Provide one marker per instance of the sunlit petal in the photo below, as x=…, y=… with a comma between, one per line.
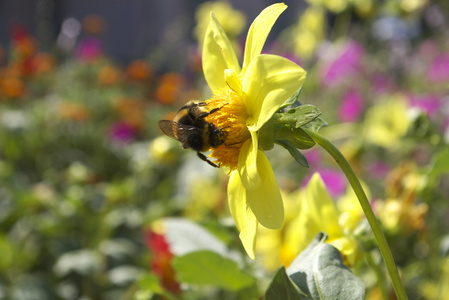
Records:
x=259, y=31
x=266, y=201
x=247, y=166
x=237, y=200
x=248, y=234
x=271, y=79
x=218, y=56
x=233, y=81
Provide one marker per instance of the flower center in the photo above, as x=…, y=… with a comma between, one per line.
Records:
x=231, y=118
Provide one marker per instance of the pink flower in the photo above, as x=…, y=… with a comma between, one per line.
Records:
x=439, y=69
x=430, y=104
x=351, y=107
x=122, y=132
x=344, y=65
x=89, y=49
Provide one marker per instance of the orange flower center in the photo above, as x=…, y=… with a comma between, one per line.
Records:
x=231, y=118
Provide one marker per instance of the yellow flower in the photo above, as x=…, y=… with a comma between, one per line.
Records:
x=319, y=213
x=387, y=122
x=246, y=98
x=309, y=31
x=231, y=20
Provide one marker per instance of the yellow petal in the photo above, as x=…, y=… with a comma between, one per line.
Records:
x=218, y=56
x=248, y=234
x=266, y=201
x=244, y=218
x=247, y=166
x=233, y=81
x=259, y=31
x=268, y=82
x=237, y=200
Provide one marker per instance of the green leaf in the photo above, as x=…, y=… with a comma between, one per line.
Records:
x=319, y=272
x=209, y=268
x=282, y=287
x=316, y=124
x=440, y=164
x=295, y=153
x=298, y=116
x=292, y=99
x=296, y=136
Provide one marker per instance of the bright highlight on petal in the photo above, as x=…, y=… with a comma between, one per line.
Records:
x=274, y=79
x=237, y=200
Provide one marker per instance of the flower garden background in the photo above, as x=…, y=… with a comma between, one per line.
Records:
x=95, y=203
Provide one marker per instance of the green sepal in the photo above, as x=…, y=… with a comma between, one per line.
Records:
x=292, y=99
x=266, y=135
x=296, y=136
x=316, y=124
x=295, y=153
x=298, y=116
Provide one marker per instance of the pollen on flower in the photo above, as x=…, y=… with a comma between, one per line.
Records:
x=231, y=117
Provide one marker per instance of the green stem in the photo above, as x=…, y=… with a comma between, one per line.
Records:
x=378, y=234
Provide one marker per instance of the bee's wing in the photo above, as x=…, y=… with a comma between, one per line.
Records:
x=177, y=131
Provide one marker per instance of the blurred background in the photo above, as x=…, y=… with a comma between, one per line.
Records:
x=87, y=182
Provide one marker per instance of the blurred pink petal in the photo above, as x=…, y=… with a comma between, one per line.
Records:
x=351, y=107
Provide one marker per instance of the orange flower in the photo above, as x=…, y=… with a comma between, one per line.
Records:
x=42, y=63
x=94, y=24
x=108, y=75
x=12, y=87
x=169, y=88
x=131, y=111
x=139, y=70
x=72, y=111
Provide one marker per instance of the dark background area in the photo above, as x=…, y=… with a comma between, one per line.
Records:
x=134, y=27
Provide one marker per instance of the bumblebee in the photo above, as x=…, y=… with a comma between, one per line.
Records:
x=191, y=128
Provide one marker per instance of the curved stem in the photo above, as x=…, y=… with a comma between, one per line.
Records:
x=356, y=186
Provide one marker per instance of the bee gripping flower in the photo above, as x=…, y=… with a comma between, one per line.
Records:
x=247, y=98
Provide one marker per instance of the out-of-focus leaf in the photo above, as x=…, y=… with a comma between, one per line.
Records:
x=440, y=164
x=295, y=153
x=320, y=273
x=123, y=275
x=209, y=268
x=185, y=236
x=298, y=116
x=82, y=262
x=281, y=287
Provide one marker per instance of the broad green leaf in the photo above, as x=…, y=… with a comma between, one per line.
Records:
x=298, y=116
x=296, y=136
x=282, y=287
x=209, y=268
x=319, y=272
x=295, y=153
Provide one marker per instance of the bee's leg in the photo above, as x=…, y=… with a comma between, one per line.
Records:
x=205, y=114
x=203, y=157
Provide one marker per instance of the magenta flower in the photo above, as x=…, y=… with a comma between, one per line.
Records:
x=122, y=132
x=439, y=69
x=429, y=104
x=89, y=49
x=347, y=63
x=351, y=107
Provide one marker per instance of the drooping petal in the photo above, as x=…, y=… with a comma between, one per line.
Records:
x=267, y=83
x=237, y=200
x=218, y=56
x=259, y=30
x=244, y=218
x=247, y=165
x=266, y=200
x=248, y=234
